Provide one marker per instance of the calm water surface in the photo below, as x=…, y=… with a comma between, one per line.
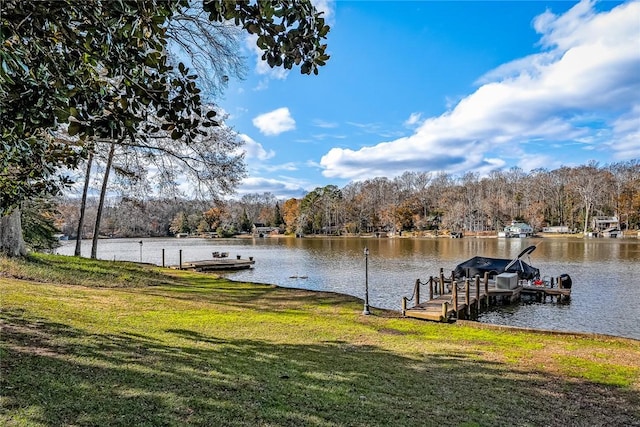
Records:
x=605, y=296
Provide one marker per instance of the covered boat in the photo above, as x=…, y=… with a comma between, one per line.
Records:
x=480, y=265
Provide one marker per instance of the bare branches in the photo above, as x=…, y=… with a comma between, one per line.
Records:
x=212, y=48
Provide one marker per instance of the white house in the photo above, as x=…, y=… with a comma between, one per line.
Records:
x=517, y=229
x=602, y=223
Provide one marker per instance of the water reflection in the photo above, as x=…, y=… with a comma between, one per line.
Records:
x=605, y=296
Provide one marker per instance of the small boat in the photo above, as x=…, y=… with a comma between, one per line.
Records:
x=527, y=275
x=479, y=265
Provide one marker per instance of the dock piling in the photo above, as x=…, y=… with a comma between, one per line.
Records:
x=454, y=290
x=430, y=287
x=478, y=301
x=486, y=287
x=467, y=299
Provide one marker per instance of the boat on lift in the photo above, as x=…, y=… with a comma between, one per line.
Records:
x=526, y=273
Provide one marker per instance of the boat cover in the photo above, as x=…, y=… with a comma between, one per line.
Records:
x=494, y=266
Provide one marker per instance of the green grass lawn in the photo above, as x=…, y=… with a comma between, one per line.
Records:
x=88, y=342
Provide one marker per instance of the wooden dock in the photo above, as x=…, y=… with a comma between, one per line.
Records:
x=449, y=299
x=216, y=264
x=542, y=292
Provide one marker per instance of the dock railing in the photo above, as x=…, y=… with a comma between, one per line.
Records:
x=436, y=288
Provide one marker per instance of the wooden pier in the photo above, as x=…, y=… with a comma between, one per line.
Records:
x=450, y=299
x=216, y=264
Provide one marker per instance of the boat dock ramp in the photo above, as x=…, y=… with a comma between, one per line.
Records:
x=450, y=299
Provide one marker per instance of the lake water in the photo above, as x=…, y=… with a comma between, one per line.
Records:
x=605, y=296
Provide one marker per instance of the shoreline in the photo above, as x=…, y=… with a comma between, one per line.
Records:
x=632, y=234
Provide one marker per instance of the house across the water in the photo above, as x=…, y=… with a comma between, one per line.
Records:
x=262, y=230
x=605, y=226
x=516, y=229
x=560, y=229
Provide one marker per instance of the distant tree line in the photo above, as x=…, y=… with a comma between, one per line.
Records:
x=414, y=201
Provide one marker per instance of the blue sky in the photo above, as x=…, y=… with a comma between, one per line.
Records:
x=457, y=86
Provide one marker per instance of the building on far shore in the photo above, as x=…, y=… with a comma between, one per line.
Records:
x=516, y=229
x=602, y=223
x=560, y=229
x=262, y=230
x=604, y=226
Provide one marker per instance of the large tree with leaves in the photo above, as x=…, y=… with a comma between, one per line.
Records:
x=101, y=68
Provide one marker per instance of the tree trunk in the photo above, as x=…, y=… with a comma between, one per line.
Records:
x=103, y=192
x=83, y=205
x=11, y=242
x=587, y=212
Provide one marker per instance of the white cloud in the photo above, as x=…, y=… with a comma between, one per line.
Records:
x=289, y=167
x=281, y=188
x=413, y=119
x=590, y=69
x=626, y=130
x=275, y=122
x=255, y=150
x=324, y=124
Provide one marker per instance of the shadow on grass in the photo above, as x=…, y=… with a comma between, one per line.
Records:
x=256, y=296
x=83, y=271
x=53, y=374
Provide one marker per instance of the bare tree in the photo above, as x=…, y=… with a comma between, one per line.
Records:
x=588, y=183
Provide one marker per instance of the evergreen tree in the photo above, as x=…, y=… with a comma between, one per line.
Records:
x=277, y=220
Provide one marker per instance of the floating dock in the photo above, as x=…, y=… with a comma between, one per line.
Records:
x=216, y=264
x=464, y=299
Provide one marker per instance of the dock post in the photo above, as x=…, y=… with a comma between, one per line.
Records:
x=441, y=281
x=445, y=309
x=163, y=258
x=478, y=302
x=486, y=287
x=404, y=306
x=454, y=290
x=417, y=291
x=180, y=258
x=430, y=288
x=466, y=297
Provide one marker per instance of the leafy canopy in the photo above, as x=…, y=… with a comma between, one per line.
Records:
x=101, y=67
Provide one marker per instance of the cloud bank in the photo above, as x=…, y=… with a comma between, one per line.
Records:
x=583, y=87
x=282, y=187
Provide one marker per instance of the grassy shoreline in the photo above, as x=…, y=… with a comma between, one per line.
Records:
x=87, y=342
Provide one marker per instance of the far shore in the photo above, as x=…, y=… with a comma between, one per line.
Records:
x=432, y=235
x=629, y=234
